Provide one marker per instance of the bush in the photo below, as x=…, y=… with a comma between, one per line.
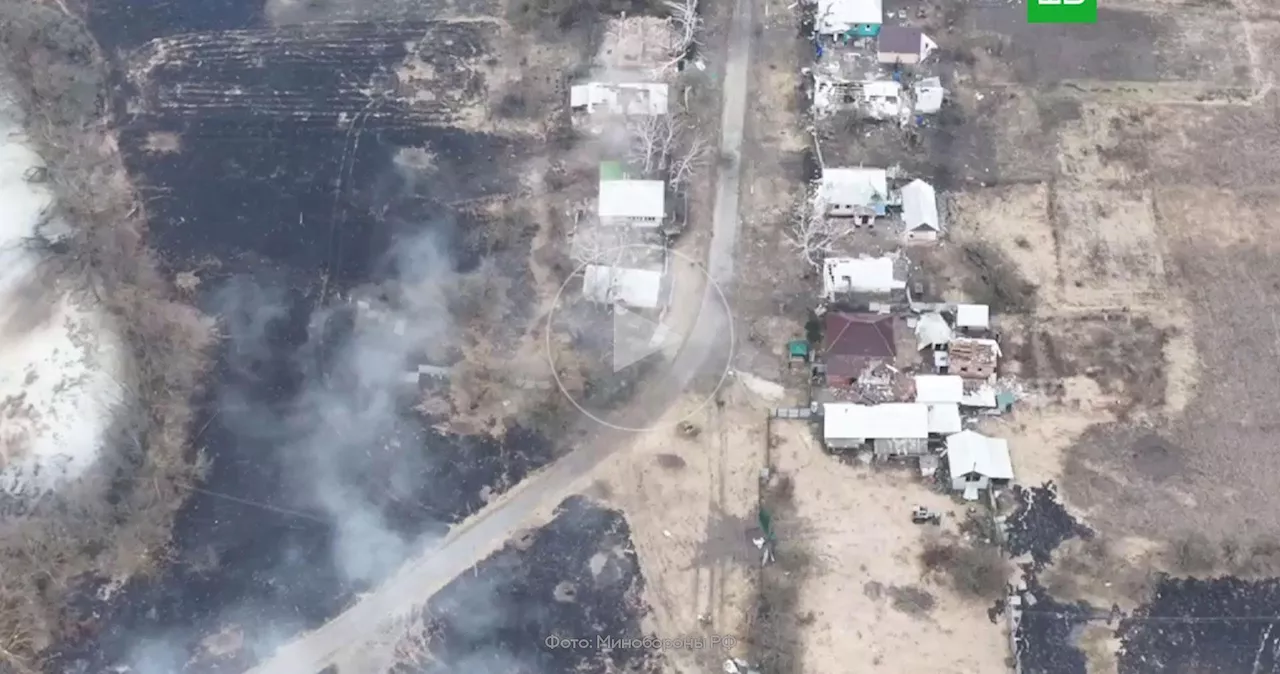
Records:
x=973, y=570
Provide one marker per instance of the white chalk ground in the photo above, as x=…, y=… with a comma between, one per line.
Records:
x=60, y=361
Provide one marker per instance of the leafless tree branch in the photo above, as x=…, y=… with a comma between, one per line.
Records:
x=813, y=234
x=686, y=26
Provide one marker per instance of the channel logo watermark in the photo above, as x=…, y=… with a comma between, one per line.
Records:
x=1062, y=11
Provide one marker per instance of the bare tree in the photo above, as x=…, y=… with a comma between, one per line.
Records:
x=687, y=162
x=685, y=25
x=650, y=140
x=815, y=235
x=666, y=146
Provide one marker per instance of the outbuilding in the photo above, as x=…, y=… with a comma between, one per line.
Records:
x=977, y=462
x=903, y=45
x=920, y=212
x=939, y=388
x=973, y=317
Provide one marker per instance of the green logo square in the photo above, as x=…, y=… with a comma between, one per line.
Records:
x=1062, y=11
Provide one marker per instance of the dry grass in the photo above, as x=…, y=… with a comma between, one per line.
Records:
x=62, y=79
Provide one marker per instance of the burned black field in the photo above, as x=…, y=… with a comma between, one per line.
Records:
x=1216, y=625
x=566, y=581
x=279, y=209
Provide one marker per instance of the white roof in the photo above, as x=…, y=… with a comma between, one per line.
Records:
x=889, y=421
x=973, y=452
x=854, y=186
x=927, y=46
x=973, y=315
x=838, y=16
x=929, y=95
x=632, y=199
x=931, y=329
x=631, y=98
x=641, y=288
x=860, y=275
x=983, y=396
x=939, y=388
x=944, y=418
x=920, y=206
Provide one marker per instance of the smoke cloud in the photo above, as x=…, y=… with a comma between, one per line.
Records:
x=355, y=366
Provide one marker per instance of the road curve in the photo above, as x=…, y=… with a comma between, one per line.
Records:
x=466, y=545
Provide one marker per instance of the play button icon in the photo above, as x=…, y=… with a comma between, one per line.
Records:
x=625, y=336
x=635, y=338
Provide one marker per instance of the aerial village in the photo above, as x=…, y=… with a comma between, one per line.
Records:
x=892, y=377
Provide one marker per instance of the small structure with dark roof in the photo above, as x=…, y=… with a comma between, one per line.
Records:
x=856, y=343
x=903, y=44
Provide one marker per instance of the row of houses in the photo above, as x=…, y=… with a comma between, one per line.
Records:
x=620, y=243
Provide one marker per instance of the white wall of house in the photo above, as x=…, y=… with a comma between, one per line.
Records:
x=834, y=17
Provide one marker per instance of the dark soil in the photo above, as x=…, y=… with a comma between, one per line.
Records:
x=576, y=578
x=1047, y=633
x=300, y=213
x=1041, y=524
x=1215, y=626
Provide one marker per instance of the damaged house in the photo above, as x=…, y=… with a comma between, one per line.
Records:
x=620, y=98
x=637, y=288
x=856, y=348
x=860, y=275
x=973, y=358
x=860, y=193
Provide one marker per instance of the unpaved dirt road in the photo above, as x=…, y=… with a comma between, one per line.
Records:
x=425, y=574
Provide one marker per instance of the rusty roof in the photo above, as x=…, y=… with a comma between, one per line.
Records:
x=850, y=341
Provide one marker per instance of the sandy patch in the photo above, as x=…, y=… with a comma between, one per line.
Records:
x=1015, y=220
x=863, y=548
x=690, y=502
x=1109, y=251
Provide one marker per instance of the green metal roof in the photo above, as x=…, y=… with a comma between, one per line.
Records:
x=612, y=170
x=798, y=348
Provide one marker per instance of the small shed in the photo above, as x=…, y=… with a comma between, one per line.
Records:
x=851, y=425
x=861, y=193
x=973, y=316
x=638, y=288
x=798, y=349
x=932, y=331
x=977, y=462
x=920, y=211
x=904, y=45
x=869, y=275
x=635, y=203
x=929, y=95
x=939, y=388
x=851, y=18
